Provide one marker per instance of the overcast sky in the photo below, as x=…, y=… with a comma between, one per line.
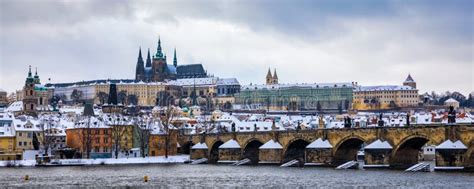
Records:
x=372, y=42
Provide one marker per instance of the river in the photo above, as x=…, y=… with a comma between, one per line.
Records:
x=224, y=176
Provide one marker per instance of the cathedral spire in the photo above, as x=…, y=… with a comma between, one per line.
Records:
x=159, y=53
x=140, y=54
x=140, y=70
x=175, y=60
x=148, y=59
x=275, y=74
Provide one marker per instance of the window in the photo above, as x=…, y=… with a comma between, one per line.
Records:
x=19, y=143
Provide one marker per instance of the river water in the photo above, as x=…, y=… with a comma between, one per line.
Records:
x=224, y=176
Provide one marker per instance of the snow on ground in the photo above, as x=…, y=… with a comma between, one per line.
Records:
x=105, y=161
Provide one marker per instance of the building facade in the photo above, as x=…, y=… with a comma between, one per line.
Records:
x=296, y=97
x=386, y=96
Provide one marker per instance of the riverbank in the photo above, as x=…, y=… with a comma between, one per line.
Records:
x=105, y=161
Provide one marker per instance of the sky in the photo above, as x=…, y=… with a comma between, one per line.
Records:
x=371, y=42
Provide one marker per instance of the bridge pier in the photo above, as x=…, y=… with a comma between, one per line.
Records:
x=229, y=152
x=450, y=155
x=270, y=153
x=319, y=152
x=377, y=154
x=198, y=151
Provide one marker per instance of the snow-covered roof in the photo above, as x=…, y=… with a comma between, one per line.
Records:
x=15, y=107
x=228, y=81
x=451, y=100
x=271, y=144
x=383, y=88
x=199, y=146
x=230, y=144
x=1, y=90
x=448, y=144
x=195, y=81
x=301, y=85
x=378, y=144
x=319, y=143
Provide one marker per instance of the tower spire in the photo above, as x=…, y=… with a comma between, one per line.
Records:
x=148, y=59
x=140, y=70
x=175, y=60
x=269, y=77
x=159, y=53
x=29, y=72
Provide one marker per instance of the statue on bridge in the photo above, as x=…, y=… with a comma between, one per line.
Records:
x=380, y=122
x=451, y=115
x=347, y=122
x=408, y=119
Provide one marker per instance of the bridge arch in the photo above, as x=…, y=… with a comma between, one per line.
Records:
x=186, y=147
x=407, y=152
x=214, y=151
x=295, y=149
x=346, y=150
x=250, y=150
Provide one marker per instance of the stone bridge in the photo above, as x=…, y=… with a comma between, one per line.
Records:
x=405, y=145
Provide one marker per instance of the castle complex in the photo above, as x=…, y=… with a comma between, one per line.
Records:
x=157, y=69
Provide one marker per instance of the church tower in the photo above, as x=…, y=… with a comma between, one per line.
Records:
x=158, y=65
x=29, y=95
x=140, y=69
x=269, y=79
x=275, y=78
x=409, y=82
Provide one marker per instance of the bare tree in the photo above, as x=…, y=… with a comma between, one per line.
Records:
x=143, y=130
x=165, y=119
x=47, y=138
x=102, y=96
x=76, y=95
x=118, y=132
x=122, y=97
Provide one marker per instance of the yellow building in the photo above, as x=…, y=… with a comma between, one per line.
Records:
x=29, y=135
x=7, y=138
x=386, y=96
